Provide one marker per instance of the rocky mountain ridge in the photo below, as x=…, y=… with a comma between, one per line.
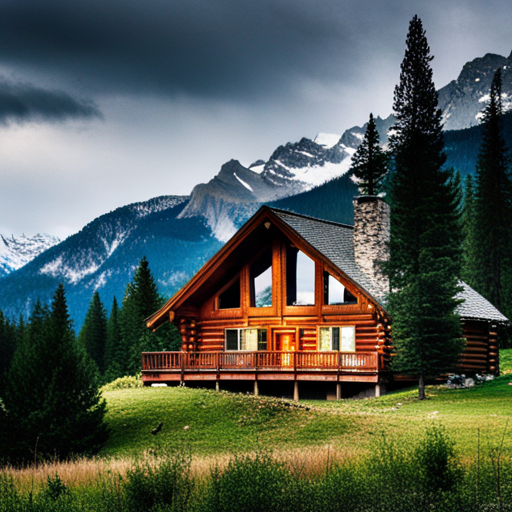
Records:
x=463, y=99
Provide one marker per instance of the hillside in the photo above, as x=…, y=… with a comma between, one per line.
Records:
x=214, y=423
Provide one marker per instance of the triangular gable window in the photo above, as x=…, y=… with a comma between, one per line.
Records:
x=335, y=293
x=230, y=298
x=261, y=280
x=300, y=278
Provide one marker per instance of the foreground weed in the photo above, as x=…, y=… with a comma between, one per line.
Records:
x=163, y=483
x=437, y=466
x=250, y=483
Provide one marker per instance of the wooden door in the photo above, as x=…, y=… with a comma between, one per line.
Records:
x=285, y=342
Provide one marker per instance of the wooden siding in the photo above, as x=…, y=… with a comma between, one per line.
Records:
x=481, y=353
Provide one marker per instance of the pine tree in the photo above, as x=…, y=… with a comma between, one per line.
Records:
x=93, y=335
x=425, y=238
x=369, y=163
x=8, y=341
x=493, y=207
x=52, y=401
x=115, y=350
x=141, y=299
x=469, y=268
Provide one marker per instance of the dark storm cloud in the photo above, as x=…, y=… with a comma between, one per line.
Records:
x=217, y=48
x=234, y=48
x=24, y=102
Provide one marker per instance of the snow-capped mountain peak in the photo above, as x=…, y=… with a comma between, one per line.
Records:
x=327, y=140
x=17, y=251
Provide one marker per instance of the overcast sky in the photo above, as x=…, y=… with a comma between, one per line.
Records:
x=109, y=102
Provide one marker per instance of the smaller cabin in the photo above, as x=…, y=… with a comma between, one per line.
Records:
x=292, y=300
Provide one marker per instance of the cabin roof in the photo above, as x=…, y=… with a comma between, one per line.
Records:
x=476, y=307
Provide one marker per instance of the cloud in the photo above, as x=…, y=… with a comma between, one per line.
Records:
x=223, y=49
x=24, y=102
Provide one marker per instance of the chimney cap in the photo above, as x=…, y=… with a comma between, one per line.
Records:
x=367, y=199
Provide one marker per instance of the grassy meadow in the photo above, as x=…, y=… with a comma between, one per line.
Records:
x=213, y=443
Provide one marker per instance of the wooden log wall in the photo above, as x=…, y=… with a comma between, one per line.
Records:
x=372, y=333
x=481, y=353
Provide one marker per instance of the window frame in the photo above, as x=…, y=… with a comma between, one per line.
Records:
x=287, y=250
x=340, y=338
x=259, y=331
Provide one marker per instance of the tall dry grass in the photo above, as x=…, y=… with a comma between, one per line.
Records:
x=79, y=472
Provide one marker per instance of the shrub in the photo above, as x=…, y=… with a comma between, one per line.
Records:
x=127, y=382
x=435, y=458
x=159, y=483
x=250, y=483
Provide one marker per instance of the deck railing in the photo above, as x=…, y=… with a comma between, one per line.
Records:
x=265, y=360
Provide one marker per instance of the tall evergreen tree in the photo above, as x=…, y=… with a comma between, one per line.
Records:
x=369, y=163
x=493, y=207
x=425, y=239
x=93, y=335
x=141, y=300
x=469, y=267
x=115, y=351
x=8, y=341
x=51, y=398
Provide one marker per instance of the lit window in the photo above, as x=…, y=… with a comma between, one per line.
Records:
x=261, y=281
x=335, y=293
x=300, y=278
x=246, y=339
x=337, y=338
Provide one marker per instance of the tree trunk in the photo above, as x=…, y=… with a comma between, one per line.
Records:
x=421, y=387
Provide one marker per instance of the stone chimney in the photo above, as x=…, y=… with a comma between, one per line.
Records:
x=371, y=238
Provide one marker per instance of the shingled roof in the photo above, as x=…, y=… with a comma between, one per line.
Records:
x=336, y=242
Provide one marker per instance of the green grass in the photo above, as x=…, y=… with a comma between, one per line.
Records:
x=506, y=361
x=209, y=423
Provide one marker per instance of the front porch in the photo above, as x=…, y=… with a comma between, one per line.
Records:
x=319, y=366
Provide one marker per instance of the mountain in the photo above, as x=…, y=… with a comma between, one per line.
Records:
x=18, y=251
x=462, y=100
x=104, y=254
x=236, y=192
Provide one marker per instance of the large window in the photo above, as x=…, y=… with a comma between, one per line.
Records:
x=300, y=278
x=335, y=293
x=230, y=298
x=337, y=338
x=261, y=280
x=246, y=339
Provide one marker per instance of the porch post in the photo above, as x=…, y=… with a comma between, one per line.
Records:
x=296, y=390
x=217, y=385
x=256, y=390
x=377, y=390
x=182, y=380
x=338, y=390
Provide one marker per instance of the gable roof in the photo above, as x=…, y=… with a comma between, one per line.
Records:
x=476, y=307
x=333, y=242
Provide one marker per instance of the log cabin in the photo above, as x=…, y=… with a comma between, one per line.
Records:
x=291, y=300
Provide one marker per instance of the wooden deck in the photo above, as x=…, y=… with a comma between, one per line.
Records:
x=265, y=365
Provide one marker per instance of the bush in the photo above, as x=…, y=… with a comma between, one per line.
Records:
x=250, y=483
x=163, y=483
x=435, y=458
x=127, y=382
